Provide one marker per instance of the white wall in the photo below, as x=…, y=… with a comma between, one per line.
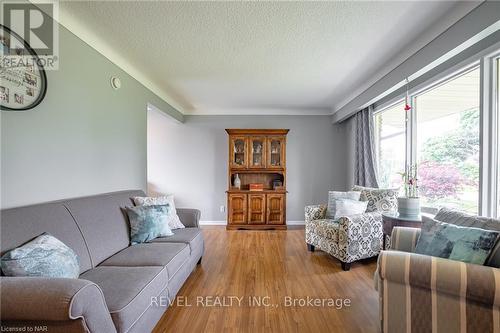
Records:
x=190, y=159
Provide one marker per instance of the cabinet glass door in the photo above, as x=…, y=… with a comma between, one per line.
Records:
x=276, y=152
x=238, y=152
x=257, y=152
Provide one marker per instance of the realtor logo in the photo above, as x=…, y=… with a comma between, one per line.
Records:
x=36, y=24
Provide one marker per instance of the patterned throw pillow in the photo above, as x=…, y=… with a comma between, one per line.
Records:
x=379, y=200
x=44, y=256
x=445, y=240
x=347, y=207
x=335, y=195
x=173, y=219
x=148, y=222
x=467, y=220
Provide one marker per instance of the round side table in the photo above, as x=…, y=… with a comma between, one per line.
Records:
x=391, y=220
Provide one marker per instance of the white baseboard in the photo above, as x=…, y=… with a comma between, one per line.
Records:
x=213, y=223
x=295, y=223
x=225, y=223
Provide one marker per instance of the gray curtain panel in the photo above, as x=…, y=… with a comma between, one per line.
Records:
x=365, y=169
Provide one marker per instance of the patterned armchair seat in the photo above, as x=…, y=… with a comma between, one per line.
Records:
x=326, y=228
x=350, y=238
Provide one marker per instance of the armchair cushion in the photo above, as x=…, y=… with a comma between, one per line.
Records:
x=379, y=200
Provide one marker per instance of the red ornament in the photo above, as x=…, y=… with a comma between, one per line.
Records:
x=407, y=107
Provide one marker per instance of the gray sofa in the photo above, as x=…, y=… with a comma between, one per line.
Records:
x=121, y=288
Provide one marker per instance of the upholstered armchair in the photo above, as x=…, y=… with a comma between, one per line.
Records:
x=348, y=239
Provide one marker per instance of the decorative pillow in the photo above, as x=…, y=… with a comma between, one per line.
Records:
x=44, y=256
x=148, y=222
x=445, y=240
x=467, y=220
x=379, y=200
x=173, y=219
x=347, y=207
x=334, y=195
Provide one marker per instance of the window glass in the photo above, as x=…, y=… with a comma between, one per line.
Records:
x=448, y=144
x=390, y=145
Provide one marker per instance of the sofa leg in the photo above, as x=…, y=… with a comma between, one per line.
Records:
x=199, y=261
x=345, y=265
x=310, y=248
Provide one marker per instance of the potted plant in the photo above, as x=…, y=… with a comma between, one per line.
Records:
x=409, y=205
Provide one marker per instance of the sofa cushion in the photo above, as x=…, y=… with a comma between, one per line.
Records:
x=171, y=255
x=326, y=228
x=99, y=217
x=128, y=290
x=19, y=225
x=191, y=236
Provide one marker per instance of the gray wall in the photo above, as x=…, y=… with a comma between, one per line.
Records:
x=190, y=159
x=84, y=138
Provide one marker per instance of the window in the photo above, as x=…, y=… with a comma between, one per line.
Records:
x=390, y=143
x=447, y=145
x=498, y=137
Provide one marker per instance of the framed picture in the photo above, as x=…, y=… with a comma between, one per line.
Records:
x=23, y=82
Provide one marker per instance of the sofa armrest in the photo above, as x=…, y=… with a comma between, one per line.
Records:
x=468, y=281
x=404, y=238
x=189, y=217
x=314, y=212
x=54, y=299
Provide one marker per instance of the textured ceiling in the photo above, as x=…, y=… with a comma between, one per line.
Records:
x=258, y=57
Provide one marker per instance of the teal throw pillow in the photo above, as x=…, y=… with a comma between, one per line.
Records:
x=148, y=222
x=44, y=256
x=445, y=240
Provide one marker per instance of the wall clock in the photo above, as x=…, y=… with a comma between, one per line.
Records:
x=23, y=82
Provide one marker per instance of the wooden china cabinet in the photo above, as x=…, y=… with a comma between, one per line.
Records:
x=257, y=157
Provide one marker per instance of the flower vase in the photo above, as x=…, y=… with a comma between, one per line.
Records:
x=408, y=207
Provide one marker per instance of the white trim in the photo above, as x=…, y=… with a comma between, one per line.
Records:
x=295, y=222
x=225, y=222
x=313, y=111
x=213, y=223
x=152, y=107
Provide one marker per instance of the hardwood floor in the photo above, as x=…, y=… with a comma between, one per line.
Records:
x=275, y=264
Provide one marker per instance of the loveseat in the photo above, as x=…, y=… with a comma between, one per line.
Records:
x=121, y=288
x=421, y=293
